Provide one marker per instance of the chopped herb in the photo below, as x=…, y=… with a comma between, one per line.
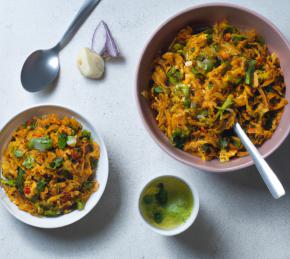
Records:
x=94, y=163
x=174, y=75
x=56, y=163
x=197, y=74
x=227, y=104
x=32, y=126
x=158, y=217
x=29, y=162
x=178, y=138
x=229, y=28
x=162, y=195
x=250, y=71
x=184, y=88
x=20, y=179
x=210, y=85
x=71, y=140
x=209, y=38
x=40, y=186
x=205, y=147
x=260, y=40
x=202, y=114
x=148, y=199
x=176, y=47
x=158, y=90
x=238, y=37
x=66, y=174
x=62, y=139
x=51, y=213
x=41, y=144
x=81, y=205
x=187, y=103
x=223, y=144
x=236, y=142
x=88, y=185
x=9, y=182
x=85, y=134
x=18, y=153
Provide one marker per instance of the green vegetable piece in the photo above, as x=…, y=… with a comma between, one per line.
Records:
x=187, y=103
x=88, y=185
x=18, y=153
x=174, y=75
x=158, y=90
x=260, y=40
x=158, y=217
x=197, y=73
x=250, y=71
x=230, y=29
x=238, y=37
x=178, y=138
x=94, y=163
x=32, y=126
x=176, y=47
x=209, y=38
x=56, y=163
x=62, y=139
x=162, y=195
x=29, y=162
x=41, y=144
x=51, y=213
x=207, y=64
x=71, y=141
x=227, y=104
x=66, y=174
x=9, y=182
x=40, y=186
x=20, y=179
x=202, y=114
x=85, y=134
x=205, y=147
x=81, y=205
x=148, y=199
x=237, y=143
x=223, y=144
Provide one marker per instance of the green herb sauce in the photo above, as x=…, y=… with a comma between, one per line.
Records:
x=166, y=203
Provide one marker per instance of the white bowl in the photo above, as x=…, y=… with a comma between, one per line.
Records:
x=101, y=174
x=181, y=228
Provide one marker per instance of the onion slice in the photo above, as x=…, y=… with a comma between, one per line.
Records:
x=104, y=43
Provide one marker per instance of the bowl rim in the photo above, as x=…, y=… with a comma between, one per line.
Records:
x=191, y=219
x=148, y=128
x=101, y=192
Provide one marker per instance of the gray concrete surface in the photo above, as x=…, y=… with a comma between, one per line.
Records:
x=238, y=217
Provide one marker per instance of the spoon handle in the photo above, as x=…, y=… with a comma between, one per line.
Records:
x=269, y=177
x=81, y=16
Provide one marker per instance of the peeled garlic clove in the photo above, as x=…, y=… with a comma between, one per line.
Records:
x=90, y=63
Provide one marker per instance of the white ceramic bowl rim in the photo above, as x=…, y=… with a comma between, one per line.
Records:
x=181, y=228
x=102, y=170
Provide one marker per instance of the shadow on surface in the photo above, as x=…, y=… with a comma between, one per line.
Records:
x=202, y=238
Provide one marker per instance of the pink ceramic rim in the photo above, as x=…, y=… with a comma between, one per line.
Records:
x=148, y=128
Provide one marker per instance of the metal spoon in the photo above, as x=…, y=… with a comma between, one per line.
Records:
x=269, y=177
x=41, y=68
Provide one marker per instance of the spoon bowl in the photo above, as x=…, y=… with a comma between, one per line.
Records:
x=40, y=69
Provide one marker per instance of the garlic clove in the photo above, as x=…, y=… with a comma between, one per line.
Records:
x=90, y=64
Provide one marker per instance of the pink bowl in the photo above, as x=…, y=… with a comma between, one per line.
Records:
x=209, y=14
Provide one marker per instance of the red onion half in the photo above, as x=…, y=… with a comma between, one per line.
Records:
x=104, y=43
